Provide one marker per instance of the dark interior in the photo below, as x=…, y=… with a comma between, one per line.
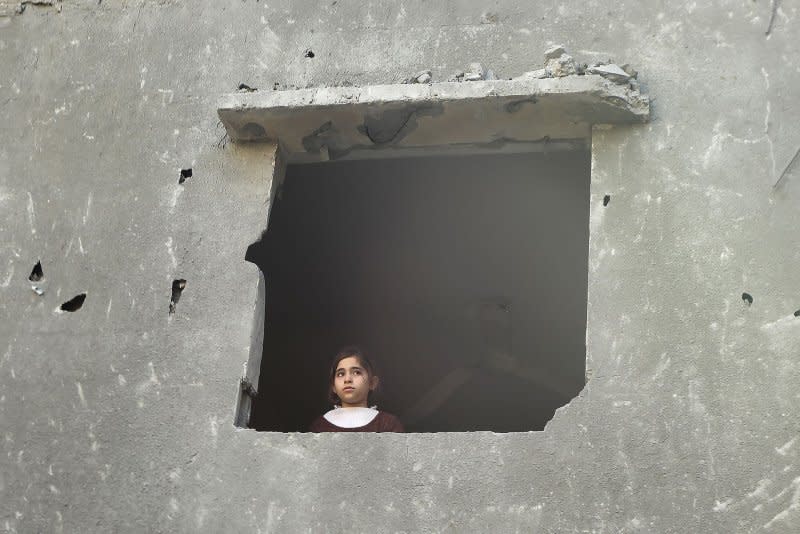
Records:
x=463, y=278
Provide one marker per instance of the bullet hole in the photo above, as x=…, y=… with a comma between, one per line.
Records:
x=797, y=313
x=73, y=304
x=185, y=174
x=177, y=289
x=37, y=273
x=606, y=200
x=37, y=279
x=308, y=53
x=747, y=298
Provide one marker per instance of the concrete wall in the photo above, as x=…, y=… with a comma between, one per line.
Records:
x=118, y=417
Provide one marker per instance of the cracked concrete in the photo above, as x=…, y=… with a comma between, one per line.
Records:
x=351, y=120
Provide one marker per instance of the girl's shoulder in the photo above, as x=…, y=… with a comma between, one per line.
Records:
x=320, y=424
x=387, y=422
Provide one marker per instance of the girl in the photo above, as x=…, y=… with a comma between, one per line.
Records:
x=352, y=380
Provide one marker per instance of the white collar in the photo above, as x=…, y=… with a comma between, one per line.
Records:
x=351, y=417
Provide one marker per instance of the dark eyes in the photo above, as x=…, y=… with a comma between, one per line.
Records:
x=355, y=372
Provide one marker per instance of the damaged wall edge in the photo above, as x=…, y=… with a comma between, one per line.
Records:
x=248, y=382
x=350, y=122
x=408, y=120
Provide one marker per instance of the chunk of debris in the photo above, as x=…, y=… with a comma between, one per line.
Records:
x=244, y=88
x=475, y=73
x=610, y=71
x=747, y=298
x=633, y=73
x=561, y=65
x=554, y=52
x=420, y=77
x=534, y=75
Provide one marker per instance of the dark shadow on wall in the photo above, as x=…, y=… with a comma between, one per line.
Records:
x=463, y=277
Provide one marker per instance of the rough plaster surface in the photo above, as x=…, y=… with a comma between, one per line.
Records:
x=116, y=417
x=338, y=121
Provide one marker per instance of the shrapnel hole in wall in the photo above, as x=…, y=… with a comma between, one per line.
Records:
x=178, y=286
x=36, y=278
x=37, y=273
x=464, y=277
x=73, y=304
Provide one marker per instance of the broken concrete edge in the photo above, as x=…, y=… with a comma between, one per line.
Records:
x=630, y=105
x=440, y=91
x=557, y=64
x=8, y=9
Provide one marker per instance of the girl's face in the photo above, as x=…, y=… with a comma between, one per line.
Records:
x=352, y=383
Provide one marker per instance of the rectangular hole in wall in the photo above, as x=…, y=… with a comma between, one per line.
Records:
x=464, y=278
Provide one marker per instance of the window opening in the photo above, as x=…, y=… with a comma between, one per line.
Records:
x=463, y=277
x=540, y=112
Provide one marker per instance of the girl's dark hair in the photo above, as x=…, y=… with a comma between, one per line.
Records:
x=347, y=352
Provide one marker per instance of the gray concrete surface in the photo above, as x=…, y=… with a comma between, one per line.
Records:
x=419, y=116
x=119, y=417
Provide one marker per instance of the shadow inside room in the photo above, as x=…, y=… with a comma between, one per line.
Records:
x=463, y=278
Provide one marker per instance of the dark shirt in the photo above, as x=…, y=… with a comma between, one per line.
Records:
x=383, y=422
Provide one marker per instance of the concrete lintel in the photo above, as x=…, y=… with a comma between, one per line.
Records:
x=349, y=122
